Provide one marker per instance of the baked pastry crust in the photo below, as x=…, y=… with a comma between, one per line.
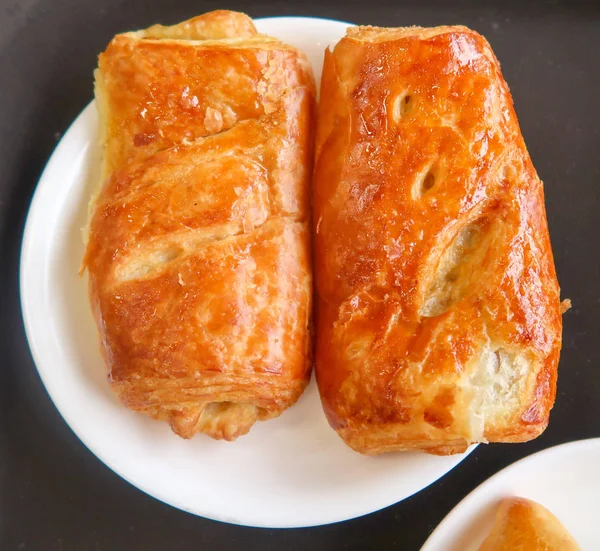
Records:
x=524, y=525
x=198, y=250
x=438, y=310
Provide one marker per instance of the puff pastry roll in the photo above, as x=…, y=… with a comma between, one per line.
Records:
x=198, y=250
x=438, y=312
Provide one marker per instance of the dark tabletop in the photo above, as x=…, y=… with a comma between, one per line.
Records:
x=54, y=494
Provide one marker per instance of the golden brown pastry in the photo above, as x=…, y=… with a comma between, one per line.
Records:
x=438, y=311
x=198, y=251
x=524, y=525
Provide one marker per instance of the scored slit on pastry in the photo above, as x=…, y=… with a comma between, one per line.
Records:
x=197, y=253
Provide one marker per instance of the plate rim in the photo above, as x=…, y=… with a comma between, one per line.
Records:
x=475, y=493
x=34, y=212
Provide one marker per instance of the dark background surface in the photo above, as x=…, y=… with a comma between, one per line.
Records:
x=54, y=494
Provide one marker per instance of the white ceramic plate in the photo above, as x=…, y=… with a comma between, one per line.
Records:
x=288, y=472
x=564, y=479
